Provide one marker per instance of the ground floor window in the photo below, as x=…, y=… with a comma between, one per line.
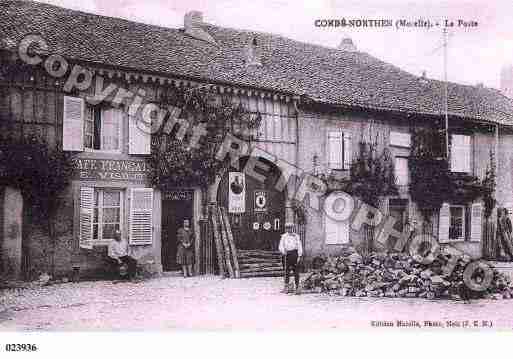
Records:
x=398, y=208
x=108, y=213
x=337, y=232
x=457, y=222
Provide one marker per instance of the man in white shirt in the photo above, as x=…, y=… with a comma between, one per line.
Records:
x=292, y=250
x=118, y=251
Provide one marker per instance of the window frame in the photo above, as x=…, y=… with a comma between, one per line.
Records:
x=463, y=223
x=100, y=240
x=91, y=119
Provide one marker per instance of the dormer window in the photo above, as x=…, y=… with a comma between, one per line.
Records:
x=253, y=53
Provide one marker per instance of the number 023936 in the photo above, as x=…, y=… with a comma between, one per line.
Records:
x=20, y=347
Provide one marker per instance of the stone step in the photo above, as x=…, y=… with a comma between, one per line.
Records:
x=261, y=267
x=261, y=274
x=258, y=260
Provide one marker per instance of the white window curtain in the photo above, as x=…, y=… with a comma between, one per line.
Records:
x=111, y=128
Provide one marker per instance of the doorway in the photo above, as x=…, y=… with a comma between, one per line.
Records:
x=261, y=223
x=176, y=206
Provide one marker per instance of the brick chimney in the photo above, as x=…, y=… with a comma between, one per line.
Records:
x=193, y=21
x=507, y=81
x=347, y=45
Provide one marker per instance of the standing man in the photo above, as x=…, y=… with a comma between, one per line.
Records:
x=504, y=243
x=118, y=250
x=292, y=250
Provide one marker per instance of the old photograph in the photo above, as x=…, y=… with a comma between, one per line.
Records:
x=269, y=165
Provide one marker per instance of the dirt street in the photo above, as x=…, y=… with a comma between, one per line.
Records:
x=212, y=303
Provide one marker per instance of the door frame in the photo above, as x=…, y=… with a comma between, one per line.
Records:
x=196, y=217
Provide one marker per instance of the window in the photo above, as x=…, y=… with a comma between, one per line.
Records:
x=402, y=176
x=339, y=150
x=457, y=223
x=102, y=129
x=398, y=208
x=337, y=232
x=108, y=213
x=400, y=139
x=460, y=153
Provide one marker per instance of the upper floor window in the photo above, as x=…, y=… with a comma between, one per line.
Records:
x=460, y=153
x=102, y=129
x=400, y=139
x=339, y=150
x=402, y=177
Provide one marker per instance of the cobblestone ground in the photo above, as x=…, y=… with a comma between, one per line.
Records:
x=213, y=303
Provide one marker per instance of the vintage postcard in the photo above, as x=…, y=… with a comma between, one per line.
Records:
x=268, y=165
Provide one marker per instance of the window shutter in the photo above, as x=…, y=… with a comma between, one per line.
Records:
x=335, y=150
x=460, y=153
x=476, y=218
x=401, y=171
x=443, y=223
x=73, y=124
x=139, y=142
x=348, y=151
x=337, y=232
x=86, y=217
x=141, y=216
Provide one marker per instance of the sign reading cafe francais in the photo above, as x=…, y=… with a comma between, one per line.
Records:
x=110, y=170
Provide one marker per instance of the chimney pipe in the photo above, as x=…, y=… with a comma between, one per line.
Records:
x=347, y=44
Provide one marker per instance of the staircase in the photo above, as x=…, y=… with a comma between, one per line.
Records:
x=259, y=263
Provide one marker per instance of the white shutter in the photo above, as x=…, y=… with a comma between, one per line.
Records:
x=348, y=151
x=86, y=217
x=476, y=218
x=337, y=232
x=139, y=142
x=460, y=153
x=141, y=216
x=335, y=150
x=400, y=139
x=73, y=124
x=443, y=223
x=401, y=171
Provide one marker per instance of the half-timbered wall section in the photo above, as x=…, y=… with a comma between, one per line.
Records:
x=33, y=103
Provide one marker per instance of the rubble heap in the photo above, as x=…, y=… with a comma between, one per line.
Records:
x=399, y=275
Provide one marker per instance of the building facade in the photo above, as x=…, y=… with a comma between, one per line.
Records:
x=316, y=106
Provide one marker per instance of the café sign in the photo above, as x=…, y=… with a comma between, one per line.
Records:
x=110, y=170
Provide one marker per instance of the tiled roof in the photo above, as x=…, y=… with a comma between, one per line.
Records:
x=325, y=74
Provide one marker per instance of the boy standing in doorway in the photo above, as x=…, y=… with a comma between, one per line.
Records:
x=292, y=250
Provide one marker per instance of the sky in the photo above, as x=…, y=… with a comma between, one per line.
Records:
x=474, y=54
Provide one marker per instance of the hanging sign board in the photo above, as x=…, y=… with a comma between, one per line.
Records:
x=260, y=201
x=178, y=195
x=236, y=192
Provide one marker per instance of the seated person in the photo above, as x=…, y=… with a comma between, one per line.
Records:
x=118, y=251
